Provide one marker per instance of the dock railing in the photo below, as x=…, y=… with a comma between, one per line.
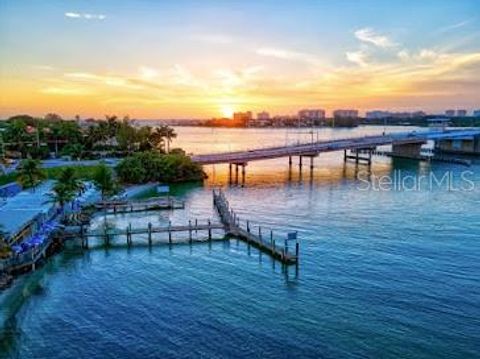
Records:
x=261, y=237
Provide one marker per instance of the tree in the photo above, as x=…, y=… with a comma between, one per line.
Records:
x=17, y=135
x=169, y=134
x=62, y=193
x=30, y=173
x=104, y=181
x=131, y=170
x=162, y=135
x=68, y=178
x=126, y=135
x=143, y=138
x=153, y=166
x=75, y=150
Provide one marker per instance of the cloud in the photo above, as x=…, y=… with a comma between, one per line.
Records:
x=43, y=67
x=288, y=55
x=86, y=16
x=368, y=35
x=217, y=39
x=66, y=91
x=422, y=56
x=357, y=57
x=148, y=73
x=455, y=26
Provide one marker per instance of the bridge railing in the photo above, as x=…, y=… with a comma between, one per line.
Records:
x=302, y=143
x=390, y=137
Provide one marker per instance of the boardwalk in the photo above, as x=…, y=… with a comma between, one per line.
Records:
x=269, y=245
x=314, y=148
x=116, y=207
x=107, y=234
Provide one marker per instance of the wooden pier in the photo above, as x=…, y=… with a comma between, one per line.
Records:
x=118, y=207
x=107, y=234
x=266, y=243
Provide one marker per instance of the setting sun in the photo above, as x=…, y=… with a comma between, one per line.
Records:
x=227, y=111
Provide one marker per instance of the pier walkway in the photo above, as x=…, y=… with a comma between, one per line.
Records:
x=278, y=249
x=127, y=206
x=108, y=234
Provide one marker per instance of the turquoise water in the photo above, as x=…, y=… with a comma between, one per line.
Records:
x=383, y=273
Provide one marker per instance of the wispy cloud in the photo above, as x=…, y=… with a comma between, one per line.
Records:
x=217, y=39
x=67, y=91
x=369, y=35
x=43, y=67
x=288, y=55
x=86, y=16
x=357, y=57
x=455, y=26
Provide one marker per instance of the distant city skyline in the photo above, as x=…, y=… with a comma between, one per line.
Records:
x=191, y=59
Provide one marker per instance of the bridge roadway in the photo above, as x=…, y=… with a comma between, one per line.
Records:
x=314, y=148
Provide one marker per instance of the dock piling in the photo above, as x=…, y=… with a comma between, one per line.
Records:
x=149, y=233
x=170, y=232
x=209, y=230
x=190, y=231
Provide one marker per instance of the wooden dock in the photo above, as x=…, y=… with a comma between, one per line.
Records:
x=278, y=249
x=153, y=204
x=107, y=234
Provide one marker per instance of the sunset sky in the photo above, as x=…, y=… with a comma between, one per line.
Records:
x=200, y=59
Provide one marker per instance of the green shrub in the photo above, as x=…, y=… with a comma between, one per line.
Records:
x=156, y=167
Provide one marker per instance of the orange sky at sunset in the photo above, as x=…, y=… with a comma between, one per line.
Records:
x=69, y=63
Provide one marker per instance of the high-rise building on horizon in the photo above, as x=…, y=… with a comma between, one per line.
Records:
x=340, y=114
x=450, y=113
x=242, y=118
x=311, y=114
x=263, y=116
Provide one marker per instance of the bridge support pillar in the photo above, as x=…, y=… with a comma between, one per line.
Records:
x=407, y=150
x=230, y=172
x=236, y=173
x=311, y=163
x=243, y=172
x=300, y=162
x=355, y=155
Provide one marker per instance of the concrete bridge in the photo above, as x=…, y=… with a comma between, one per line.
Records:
x=404, y=144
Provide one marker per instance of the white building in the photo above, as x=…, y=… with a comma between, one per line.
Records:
x=377, y=115
x=450, y=113
x=353, y=114
x=461, y=113
x=242, y=117
x=263, y=116
x=311, y=114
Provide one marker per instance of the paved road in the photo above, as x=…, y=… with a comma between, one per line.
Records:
x=313, y=148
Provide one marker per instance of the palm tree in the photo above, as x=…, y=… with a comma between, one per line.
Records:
x=156, y=139
x=75, y=150
x=103, y=179
x=69, y=178
x=30, y=173
x=16, y=134
x=158, y=136
x=62, y=193
x=169, y=134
